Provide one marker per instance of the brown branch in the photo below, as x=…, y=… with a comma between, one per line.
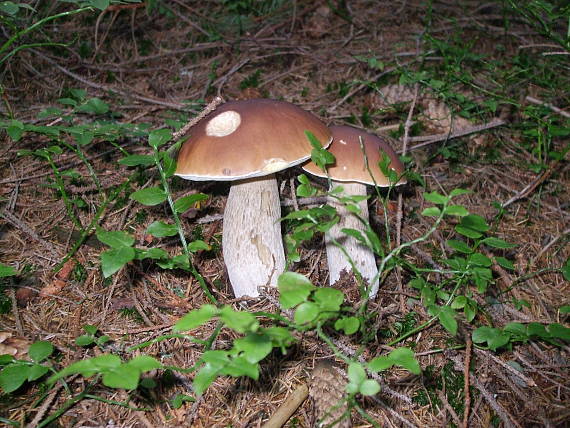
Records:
x=466, y=393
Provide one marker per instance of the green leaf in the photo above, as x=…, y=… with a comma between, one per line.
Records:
x=319, y=155
x=349, y=325
x=497, y=243
x=537, y=329
x=255, y=346
x=160, y=229
x=198, y=245
x=40, y=350
x=369, y=387
x=204, y=378
x=100, y=4
x=84, y=340
x=380, y=363
x=137, y=160
x=94, y=106
x=460, y=246
x=180, y=399
x=195, y=318
x=431, y=212
x=459, y=302
x=115, y=239
x=494, y=337
x=114, y=259
x=150, y=196
x=458, y=192
x=12, y=377
x=36, y=371
x=6, y=270
x=152, y=253
x=436, y=198
x=124, y=377
x=465, y=231
x=405, y=358
x=446, y=317
x=564, y=309
x=356, y=373
x=90, y=329
x=475, y=222
x=559, y=331
x=306, y=312
x=456, y=210
x=15, y=130
x=143, y=363
x=159, y=137
x=294, y=288
x=9, y=8
x=186, y=202
x=479, y=259
x=241, y=322
x=329, y=299
x=505, y=263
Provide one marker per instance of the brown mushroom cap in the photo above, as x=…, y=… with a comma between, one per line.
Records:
x=350, y=165
x=250, y=138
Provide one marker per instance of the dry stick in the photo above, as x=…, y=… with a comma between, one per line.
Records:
x=364, y=85
x=448, y=407
x=430, y=139
x=534, y=184
x=212, y=105
x=469, y=344
x=284, y=412
x=15, y=221
x=550, y=106
x=547, y=246
x=507, y=419
x=126, y=94
x=16, y=312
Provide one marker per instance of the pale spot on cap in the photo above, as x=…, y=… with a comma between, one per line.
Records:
x=223, y=124
x=274, y=165
x=342, y=142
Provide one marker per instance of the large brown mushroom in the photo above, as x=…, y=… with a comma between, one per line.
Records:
x=247, y=142
x=351, y=172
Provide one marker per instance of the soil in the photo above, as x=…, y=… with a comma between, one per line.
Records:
x=162, y=67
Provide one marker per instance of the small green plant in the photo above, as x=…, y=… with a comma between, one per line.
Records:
x=91, y=337
x=17, y=372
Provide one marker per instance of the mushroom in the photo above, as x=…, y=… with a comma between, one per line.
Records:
x=247, y=142
x=350, y=170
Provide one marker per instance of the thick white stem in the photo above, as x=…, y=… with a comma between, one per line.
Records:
x=362, y=256
x=251, y=239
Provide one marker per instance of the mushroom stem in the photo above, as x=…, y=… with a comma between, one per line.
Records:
x=362, y=256
x=252, y=244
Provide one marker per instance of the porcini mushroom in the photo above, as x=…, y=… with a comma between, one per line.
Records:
x=247, y=142
x=350, y=170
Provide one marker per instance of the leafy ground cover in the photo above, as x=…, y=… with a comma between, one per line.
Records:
x=115, y=306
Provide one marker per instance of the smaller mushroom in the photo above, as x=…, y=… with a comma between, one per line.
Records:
x=350, y=170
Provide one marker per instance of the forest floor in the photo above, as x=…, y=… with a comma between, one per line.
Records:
x=475, y=94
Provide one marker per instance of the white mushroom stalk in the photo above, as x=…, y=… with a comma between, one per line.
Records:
x=246, y=142
x=352, y=173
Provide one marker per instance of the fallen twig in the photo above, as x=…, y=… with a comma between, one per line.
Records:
x=550, y=106
x=289, y=407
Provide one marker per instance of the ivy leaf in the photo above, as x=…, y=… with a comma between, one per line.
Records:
x=195, y=318
x=241, y=322
x=114, y=259
x=306, y=312
x=125, y=377
x=115, y=239
x=349, y=325
x=456, y=210
x=255, y=346
x=40, y=350
x=369, y=387
x=294, y=288
x=460, y=246
x=137, y=160
x=13, y=377
x=497, y=243
x=431, y=212
x=159, y=137
x=329, y=299
x=160, y=229
x=186, y=202
x=150, y=196
x=436, y=198
x=405, y=358
x=198, y=245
